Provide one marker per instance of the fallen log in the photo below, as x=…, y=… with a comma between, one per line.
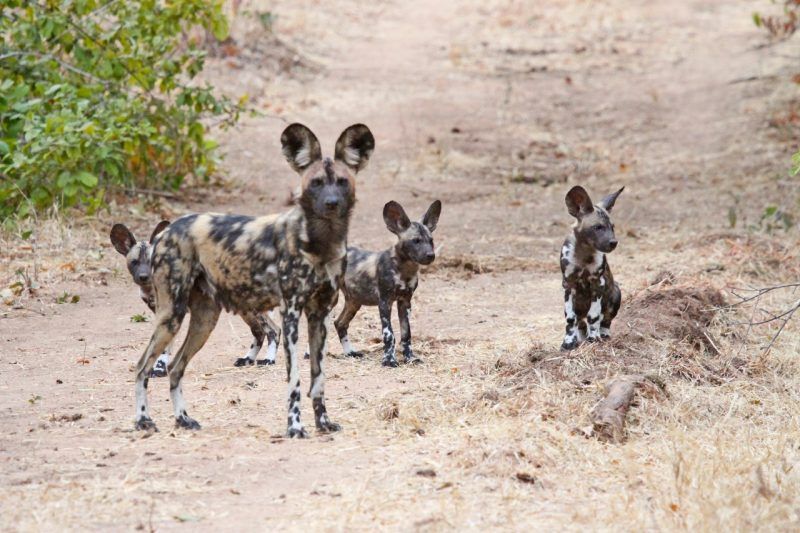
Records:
x=608, y=416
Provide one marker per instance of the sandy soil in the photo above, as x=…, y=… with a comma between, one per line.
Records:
x=496, y=108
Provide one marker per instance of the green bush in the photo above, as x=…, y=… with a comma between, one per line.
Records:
x=98, y=94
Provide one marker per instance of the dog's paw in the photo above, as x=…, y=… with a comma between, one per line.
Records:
x=326, y=426
x=297, y=433
x=185, y=422
x=146, y=423
x=567, y=346
x=413, y=360
x=390, y=362
x=354, y=354
x=243, y=361
x=265, y=362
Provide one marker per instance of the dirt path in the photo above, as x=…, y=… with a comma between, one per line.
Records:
x=468, y=102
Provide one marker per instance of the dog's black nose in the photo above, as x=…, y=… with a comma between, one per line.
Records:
x=430, y=257
x=143, y=278
x=612, y=244
x=332, y=203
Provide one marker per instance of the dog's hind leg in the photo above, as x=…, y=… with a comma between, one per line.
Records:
x=257, y=329
x=273, y=332
x=167, y=322
x=204, y=316
x=610, y=310
x=160, y=368
x=342, y=324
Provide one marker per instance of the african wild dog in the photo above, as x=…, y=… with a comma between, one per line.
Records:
x=591, y=296
x=138, y=260
x=249, y=265
x=381, y=278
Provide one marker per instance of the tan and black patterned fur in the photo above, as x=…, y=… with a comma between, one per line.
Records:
x=383, y=278
x=138, y=258
x=591, y=296
x=248, y=265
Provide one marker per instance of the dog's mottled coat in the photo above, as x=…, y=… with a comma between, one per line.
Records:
x=382, y=278
x=591, y=296
x=249, y=265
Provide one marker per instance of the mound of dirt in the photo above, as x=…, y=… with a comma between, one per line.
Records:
x=665, y=329
x=673, y=313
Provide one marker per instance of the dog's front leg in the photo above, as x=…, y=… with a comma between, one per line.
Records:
x=385, y=308
x=317, y=332
x=593, y=319
x=404, y=315
x=291, y=311
x=571, y=335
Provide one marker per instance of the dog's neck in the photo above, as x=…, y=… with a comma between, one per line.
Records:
x=584, y=254
x=327, y=237
x=405, y=265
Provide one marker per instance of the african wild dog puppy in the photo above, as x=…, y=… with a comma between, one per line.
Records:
x=381, y=278
x=249, y=265
x=591, y=296
x=138, y=260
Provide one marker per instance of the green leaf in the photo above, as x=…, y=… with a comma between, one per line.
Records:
x=64, y=179
x=88, y=180
x=219, y=28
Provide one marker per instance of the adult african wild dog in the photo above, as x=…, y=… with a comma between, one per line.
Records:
x=591, y=296
x=248, y=265
x=138, y=260
x=381, y=278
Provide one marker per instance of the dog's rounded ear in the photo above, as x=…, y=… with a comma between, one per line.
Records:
x=431, y=217
x=395, y=217
x=607, y=202
x=355, y=146
x=300, y=147
x=578, y=202
x=158, y=229
x=122, y=238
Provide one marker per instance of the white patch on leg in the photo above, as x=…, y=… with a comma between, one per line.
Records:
x=163, y=359
x=569, y=313
x=346, y=346
x=318, y=387
x=593, y=319
x=272, y=351
x=178, y=404
x=252, y=353
x=605, y=332
x=141, y=400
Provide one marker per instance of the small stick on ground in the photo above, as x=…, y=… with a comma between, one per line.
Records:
x=608, y=416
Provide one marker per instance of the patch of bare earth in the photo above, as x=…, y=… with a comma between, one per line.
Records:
x=496, y=108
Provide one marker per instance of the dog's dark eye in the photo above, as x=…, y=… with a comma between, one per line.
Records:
x=598, y=227
x=342, y=182
x=316, y=182
x=417, y=240
x=135, y=262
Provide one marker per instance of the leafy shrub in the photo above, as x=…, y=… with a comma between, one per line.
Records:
x=97, y=93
